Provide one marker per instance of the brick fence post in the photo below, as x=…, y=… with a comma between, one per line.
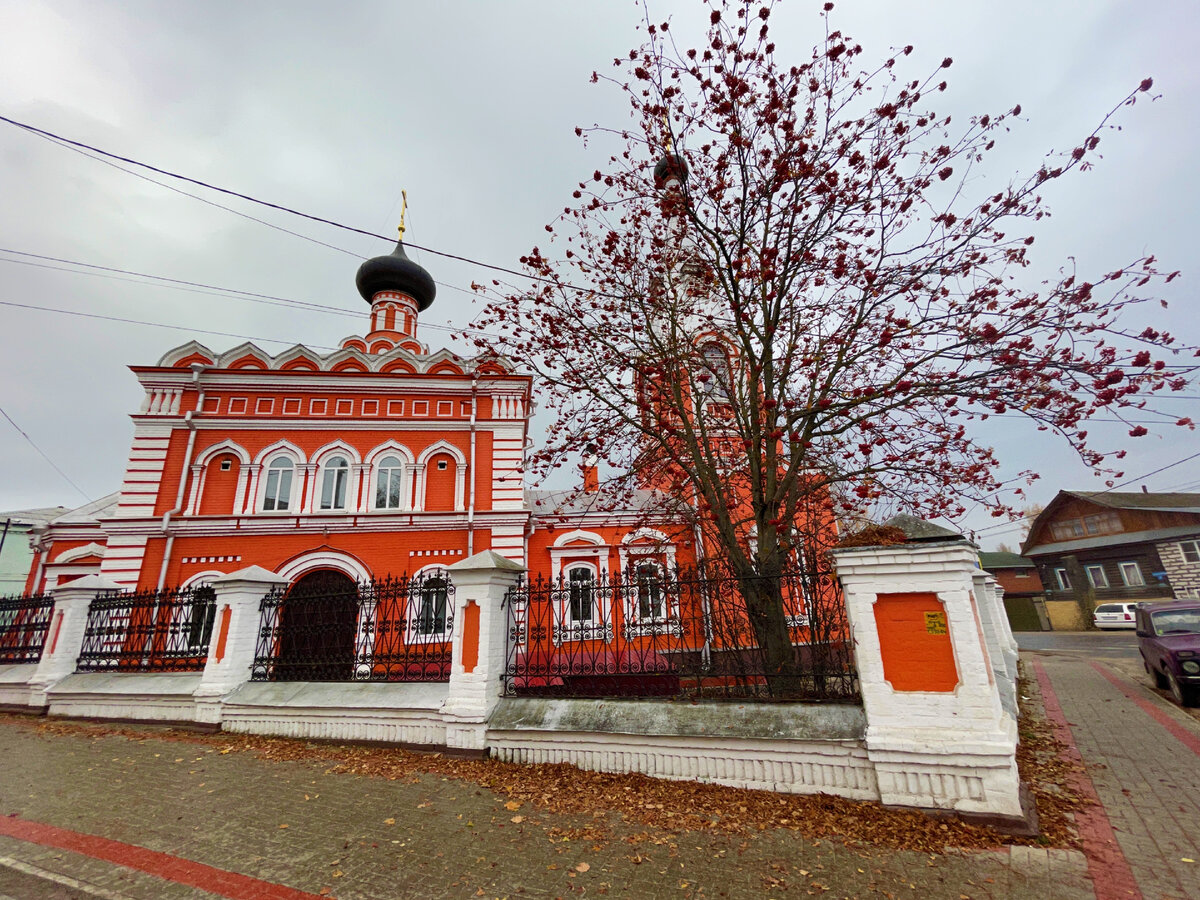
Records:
x=937, y=732
x=64, y=641
x=480, y=647
x=993, y=621
x=234, y=637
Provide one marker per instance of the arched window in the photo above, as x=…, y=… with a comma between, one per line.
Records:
x=714, y=369
x=278, y=493
x=333, y=483
x=649, y=587
x=581, y=594
x=432, y=597
x=201, y=613
x=387, y=483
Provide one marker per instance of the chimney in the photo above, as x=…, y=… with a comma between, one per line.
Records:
x=1144, y=491
x=591, y=472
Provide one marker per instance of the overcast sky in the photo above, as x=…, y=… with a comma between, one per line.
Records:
x=471, y=107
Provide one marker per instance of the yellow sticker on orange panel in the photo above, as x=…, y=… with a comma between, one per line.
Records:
x=935, y=623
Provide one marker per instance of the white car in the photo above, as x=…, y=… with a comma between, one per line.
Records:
x=1114, y=615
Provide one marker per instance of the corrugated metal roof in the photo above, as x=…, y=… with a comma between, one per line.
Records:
x=1116, y=540
x=1139, y=500
x=1001, y=559
x=919, y=530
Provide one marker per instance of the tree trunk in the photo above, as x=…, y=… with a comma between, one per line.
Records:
x=764, y=607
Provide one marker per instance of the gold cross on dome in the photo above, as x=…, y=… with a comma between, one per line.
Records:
x=403, y=210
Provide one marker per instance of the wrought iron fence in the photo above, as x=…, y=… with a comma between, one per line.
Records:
x=24, y=622
x=651, y=632
x=395, y=629
x=149, y=631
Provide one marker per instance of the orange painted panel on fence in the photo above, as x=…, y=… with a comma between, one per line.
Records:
x=223, y=634
x=57, y=628
x=470, y=645
x=914, y=642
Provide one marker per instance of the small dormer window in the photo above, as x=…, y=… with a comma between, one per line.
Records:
x=226, y=464
x=442, y=465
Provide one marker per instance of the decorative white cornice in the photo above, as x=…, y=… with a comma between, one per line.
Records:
x=313, y=523
x=376, y=362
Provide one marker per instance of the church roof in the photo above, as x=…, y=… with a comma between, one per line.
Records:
x=33, y=516
x=396, y=272
x=89, y=513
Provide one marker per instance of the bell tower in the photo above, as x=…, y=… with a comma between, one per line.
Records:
x=398, y=289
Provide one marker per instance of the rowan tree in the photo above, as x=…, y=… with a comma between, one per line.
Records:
x=785, y=286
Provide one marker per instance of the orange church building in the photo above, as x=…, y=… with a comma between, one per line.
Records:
x=379, y=459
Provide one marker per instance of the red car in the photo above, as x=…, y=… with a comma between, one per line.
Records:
x=1169, y=639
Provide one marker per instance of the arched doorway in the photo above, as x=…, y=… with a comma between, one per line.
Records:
x=317, y=628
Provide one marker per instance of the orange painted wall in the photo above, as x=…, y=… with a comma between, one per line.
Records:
x=915, y=658
x=169, y=484
x=439, y=482
x=220, y=487
x=382, y=553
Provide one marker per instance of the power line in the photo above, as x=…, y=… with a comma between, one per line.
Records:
x=182, y=284
x=65, y=476
x=85, y=315
x=67, y=145
x=51, y=136
x=230, y=209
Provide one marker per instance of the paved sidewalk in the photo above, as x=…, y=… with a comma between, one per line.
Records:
x=1142, y=754
x=290, y=823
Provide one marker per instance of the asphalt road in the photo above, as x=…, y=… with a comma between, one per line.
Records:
x=1116, y=644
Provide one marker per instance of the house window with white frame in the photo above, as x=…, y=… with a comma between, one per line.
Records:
x=648, y=587
x=431, y=610
x=1131, y=574
x=201, y=614
x=581, y=594
x=334, y=478
x=389, y=475
x=1062, y=579
x=1096, y=577
x=581, y=614
x=278, y=492
x=1190, y=550
x=650, y=607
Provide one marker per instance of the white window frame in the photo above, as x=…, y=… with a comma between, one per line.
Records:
x=1092, y=570
x=400, y=472
x=1062, y=579
x=1138, y=580
x=328, y=469
x=598, y=626
x=293, y=471
x=718, y=385
x=1190, y=546
x=635, y=623
x=416, y=605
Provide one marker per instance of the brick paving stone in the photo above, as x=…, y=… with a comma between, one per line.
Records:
x=449, y=838
x=1146, y=778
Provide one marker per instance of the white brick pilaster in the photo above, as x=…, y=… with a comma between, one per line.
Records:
x=482, y=580
x=932, y=749
x=64, y=641
x=234, y=636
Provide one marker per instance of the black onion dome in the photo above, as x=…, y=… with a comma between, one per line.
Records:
x=670, y=166
x=396, y=272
